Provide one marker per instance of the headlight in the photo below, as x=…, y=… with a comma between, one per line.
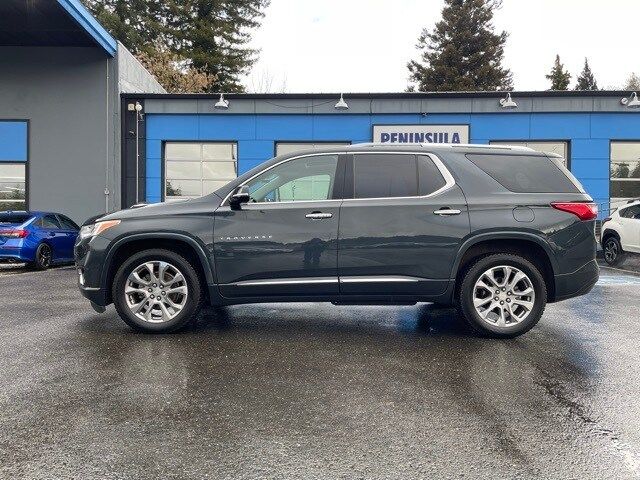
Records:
x=97, y=228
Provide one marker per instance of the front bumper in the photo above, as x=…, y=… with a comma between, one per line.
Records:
x=577, y=283
x=90, y=260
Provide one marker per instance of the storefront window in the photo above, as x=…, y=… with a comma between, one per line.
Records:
x=283, y=148
x=625, y=172
x=561, y=148
x=196, y=169
x=12, y=186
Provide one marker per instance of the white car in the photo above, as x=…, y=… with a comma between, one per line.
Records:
x=621, y=232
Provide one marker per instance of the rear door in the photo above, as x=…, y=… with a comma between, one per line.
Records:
x=401, y=229
x=54, y=235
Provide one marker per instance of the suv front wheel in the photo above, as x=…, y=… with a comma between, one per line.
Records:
x=157, y=291
x=502, y=295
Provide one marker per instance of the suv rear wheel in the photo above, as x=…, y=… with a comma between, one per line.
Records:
x=502, y=295
x=157, y=291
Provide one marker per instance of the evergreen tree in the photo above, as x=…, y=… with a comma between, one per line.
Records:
x=135, y=23
x=211, y=36
x=559, y=77
x=586, y=80
x=214, y=35
x=463, y=52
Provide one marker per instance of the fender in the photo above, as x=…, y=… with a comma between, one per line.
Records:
x=204, y=261
x=502, y=235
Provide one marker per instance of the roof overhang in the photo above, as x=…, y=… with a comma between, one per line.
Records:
x=52, y=23
x=82, y=16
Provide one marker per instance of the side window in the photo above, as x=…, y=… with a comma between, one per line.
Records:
x=385, y=175
x=67, y=223
x=50, y=221
x=298, y=180
x=429, y=177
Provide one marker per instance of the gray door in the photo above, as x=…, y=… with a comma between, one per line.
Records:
x=284, y=242
x=400, y=232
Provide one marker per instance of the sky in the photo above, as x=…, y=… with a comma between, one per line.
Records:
x=364, y=45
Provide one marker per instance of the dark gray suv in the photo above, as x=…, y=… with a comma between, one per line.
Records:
x=498, y=232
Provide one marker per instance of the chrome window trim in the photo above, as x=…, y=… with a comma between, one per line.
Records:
x=444, y=171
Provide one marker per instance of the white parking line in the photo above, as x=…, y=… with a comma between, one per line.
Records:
x=618, y=280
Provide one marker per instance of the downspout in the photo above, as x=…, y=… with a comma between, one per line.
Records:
x=106, y=167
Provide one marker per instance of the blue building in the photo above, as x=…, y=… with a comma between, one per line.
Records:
x=85, y=129
x=187, y=146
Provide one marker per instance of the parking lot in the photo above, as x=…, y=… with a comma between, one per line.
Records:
x=308, y=391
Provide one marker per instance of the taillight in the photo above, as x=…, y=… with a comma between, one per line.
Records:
x=582, y=210
x=13, y=233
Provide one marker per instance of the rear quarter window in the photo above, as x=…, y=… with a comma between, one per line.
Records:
x=630, y=212
x=525, y=173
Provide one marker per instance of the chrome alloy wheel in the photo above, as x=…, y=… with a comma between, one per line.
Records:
x=610, y=251
x=503, y=296
x=156, y=291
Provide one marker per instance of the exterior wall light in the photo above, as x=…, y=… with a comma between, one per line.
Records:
x=222, y=104
x=341, y=105
x=631, y=102
x=508, y=102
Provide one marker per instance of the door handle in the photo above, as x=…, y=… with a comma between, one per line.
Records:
x=447, y=211
x=318, y=215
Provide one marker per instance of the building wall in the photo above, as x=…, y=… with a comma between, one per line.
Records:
x=588, y=134
x=132, y=76
x=63, y=93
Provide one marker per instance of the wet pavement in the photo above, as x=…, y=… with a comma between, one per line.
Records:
x=316, y=391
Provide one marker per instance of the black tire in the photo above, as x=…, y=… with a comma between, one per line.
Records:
x=465, y=295
x=612, y=251
x=193, y=302
x=43, y=258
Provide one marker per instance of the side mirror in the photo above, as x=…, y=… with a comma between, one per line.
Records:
x=240, y=196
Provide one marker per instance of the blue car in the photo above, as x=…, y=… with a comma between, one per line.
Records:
x=39, y=239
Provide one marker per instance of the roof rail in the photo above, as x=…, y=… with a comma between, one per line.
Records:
x=446, y=145
x=484, y=146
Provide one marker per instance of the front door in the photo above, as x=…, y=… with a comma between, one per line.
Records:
x=284, y=241
x=402, y=226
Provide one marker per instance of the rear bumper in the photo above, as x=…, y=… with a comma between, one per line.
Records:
x=15, y=255
x=577, y=283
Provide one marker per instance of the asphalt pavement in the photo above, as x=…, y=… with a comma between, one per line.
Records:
x=316, y=391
